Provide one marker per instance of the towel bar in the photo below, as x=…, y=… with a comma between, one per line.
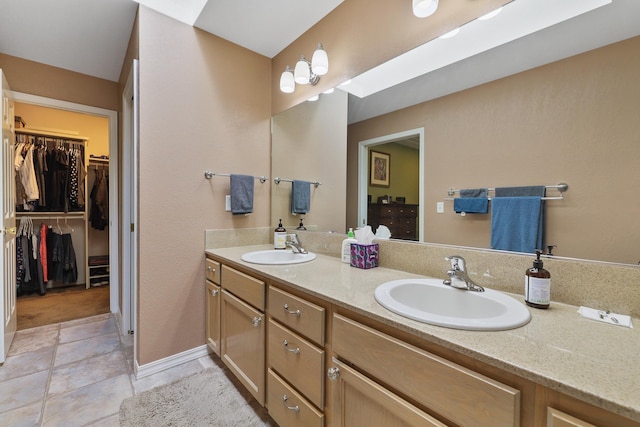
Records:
x=278, y=180
x=562, y=187
x=209, y=175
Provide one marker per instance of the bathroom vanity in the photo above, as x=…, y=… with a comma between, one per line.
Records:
x=324, y=352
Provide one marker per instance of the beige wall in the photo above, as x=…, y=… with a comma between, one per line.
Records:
x=573, y=121
x=52, y=82
x=309, y=144
x=204, y=104
x=360, y=34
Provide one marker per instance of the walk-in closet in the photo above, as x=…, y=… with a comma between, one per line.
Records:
x=62, y=210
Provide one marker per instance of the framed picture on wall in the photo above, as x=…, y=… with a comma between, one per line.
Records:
x=379, y=169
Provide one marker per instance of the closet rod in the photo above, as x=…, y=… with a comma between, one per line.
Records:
x=209, y=175
x=43, y=215
x=278, y=180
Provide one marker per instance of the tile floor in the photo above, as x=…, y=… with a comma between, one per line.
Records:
x=75, y=374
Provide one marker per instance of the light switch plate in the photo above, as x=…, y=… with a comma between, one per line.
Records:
x=440, y=207
x=227, y=203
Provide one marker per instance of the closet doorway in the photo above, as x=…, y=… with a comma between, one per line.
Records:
x=95, y=244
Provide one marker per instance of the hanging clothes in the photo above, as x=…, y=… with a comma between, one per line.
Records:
x=99, y=215
x=24, y=166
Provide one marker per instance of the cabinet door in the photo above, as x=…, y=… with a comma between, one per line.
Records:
x=243, y=347
x=359, y=401
x=213, y=317
x=557, y=418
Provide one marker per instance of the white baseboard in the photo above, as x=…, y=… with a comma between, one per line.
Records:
x=147, y=369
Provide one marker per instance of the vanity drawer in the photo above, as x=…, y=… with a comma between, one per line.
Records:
x=282, y=401
x=456, y=393
x=245, y=287
x=297, y=360
x=212, y=271
x=298, y=314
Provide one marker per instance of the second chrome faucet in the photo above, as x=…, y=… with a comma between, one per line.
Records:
x=458, y=277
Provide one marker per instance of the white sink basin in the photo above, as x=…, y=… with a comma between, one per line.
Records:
x=283, y=256
x=431, y=301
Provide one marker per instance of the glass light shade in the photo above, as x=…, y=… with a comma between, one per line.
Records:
x=424, y=8
x=320, y=61
x=287, y=83
x=314, y=98
x=450, y=34
x=302, y=72
x=490, y=14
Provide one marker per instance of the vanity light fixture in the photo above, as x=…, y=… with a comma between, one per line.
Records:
x=424, y=8
x=305, y=71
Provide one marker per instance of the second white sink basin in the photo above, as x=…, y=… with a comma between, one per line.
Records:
x=282, y=256
x=430, y=301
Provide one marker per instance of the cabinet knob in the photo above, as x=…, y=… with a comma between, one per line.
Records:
x=294, y=312
x=291, y=408
x=211, y=269
x=256, y=321
x=292, y=350
x=333, y=373
x=214, y=292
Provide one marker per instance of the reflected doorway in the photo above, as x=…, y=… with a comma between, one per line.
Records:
x=407, y=184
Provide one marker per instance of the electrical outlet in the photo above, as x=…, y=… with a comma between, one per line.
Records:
x=227, y=203
x=440, y=207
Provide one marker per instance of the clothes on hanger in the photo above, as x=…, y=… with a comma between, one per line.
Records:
x=99, y=215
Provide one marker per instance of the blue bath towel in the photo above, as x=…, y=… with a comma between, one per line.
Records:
x=300, y=196
x=517, y=223
x=474, y=192
x=532, y=190
x=241, y=194
x=471, y=205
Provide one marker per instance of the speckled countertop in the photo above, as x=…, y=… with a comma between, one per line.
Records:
x=589, y=360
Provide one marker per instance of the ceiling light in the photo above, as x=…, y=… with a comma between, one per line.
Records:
x=320, y=61
x=287, y=82
x=305, y=72
x=424, y=8
x=490, y=14
x=450, y=34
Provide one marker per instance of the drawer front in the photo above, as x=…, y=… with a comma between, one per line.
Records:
x=287, y=407
x=557, y=418
x=297, y=314
x=457, y=393
x=244, y=287
x=297, y=360
x=212, y=271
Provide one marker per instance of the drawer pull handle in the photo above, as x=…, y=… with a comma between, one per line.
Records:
x=211, y=269
x=214, y=292
x=333, y=373
x=291, y=408
x=256, y=321
x=296, y=312
x=292, y=350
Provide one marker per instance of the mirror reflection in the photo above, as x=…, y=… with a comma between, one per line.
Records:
x=570, y=120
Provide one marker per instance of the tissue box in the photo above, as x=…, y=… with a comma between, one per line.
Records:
x=364, y=256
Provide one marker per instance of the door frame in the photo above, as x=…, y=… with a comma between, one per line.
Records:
x=363, y=169
x=112, y=117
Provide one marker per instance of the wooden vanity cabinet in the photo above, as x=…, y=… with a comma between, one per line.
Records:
x=212, y=298
x=442, y=391
x=242, y=329
x=296, y=359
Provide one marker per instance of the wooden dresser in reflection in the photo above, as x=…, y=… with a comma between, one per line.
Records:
x=401, y=219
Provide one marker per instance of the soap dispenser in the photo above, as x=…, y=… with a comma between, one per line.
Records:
x=346, y=246
x=537, y=285
x=279, y=236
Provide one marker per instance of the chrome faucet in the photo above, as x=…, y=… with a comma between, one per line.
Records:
x=293, y=243
x=458, y=277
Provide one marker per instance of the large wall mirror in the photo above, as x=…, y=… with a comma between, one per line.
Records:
x=556, y=106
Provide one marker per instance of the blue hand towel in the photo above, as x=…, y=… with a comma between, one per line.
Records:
x=517, y=224
x=471, y=205
x=241, y=194
x=532, y=190
x=300, y=196
x=474, y=192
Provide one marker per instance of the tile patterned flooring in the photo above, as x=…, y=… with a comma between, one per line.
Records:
x=75, y=373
